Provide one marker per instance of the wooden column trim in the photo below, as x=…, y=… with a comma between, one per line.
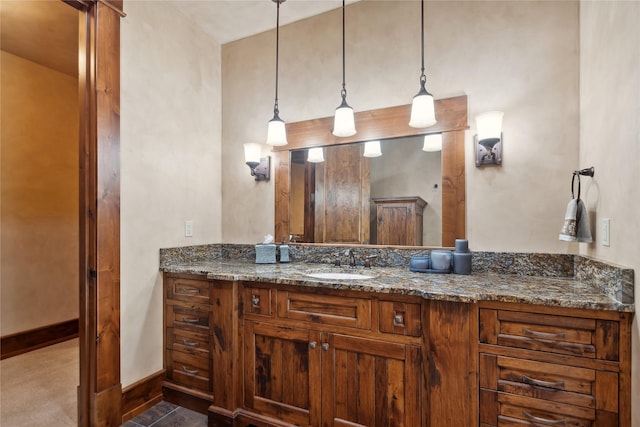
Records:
x=100, y=391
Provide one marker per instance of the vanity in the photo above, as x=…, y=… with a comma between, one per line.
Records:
x=509, y=345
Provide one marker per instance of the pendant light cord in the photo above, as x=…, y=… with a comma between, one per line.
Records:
x=275, y=105
x=423, y=78
x=344, y=90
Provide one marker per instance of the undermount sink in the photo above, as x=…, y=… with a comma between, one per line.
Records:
x=340, y=276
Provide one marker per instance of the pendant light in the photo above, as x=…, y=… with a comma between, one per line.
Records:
x=276, y=133
x=422, y=109
x=344, y=123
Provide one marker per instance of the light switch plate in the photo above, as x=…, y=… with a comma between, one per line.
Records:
x=605, y=231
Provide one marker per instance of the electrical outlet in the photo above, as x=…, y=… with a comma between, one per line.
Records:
x=605, y=231
x=188, y=228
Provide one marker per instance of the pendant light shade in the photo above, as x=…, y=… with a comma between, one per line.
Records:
x=315, y=155
x=422, y=108
x=276, y=133
x=344, y=121
x=372, y=149
x=432, y=142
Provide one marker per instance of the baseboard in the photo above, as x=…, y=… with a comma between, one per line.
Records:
x=142, y=395
x=23, y=342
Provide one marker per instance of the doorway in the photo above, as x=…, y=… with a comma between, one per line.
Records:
x=98, y=53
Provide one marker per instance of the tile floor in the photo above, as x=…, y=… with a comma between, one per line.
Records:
x=165, y=414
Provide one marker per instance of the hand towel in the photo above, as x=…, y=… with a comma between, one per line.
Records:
x=569, y=232
x=584, y=228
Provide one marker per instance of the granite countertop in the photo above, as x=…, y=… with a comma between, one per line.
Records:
x=549, y=291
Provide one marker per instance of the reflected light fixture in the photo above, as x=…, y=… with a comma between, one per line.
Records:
x=276, y=133
x=488, y=141
x=315, y=155
x=259, y=165
x=432, y=142
x=344, y=122
x=372, y=149
x=422, y=108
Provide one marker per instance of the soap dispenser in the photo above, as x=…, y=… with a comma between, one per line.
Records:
x=462, y=257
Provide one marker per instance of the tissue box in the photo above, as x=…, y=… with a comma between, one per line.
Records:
x=266, y=253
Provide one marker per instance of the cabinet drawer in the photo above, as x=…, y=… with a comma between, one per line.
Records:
x=400, y=318
x=583, y=337
x=188, y=342
x=189, y=317
x=524, y=411
x=188, y=370
x=547, y=381
x=325, y=309
x=189, y=290
x=257, y=300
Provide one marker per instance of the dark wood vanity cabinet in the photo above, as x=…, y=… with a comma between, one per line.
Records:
x=321, y=360
x=399, y=220
x=541, y=366
x=199, y=344
x=261, y=354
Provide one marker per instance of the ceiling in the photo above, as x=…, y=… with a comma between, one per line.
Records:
x=46, y=31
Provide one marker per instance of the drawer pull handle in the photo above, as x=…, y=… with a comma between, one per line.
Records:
x=398, y=320
x=313, y=344
x=190, y=371
x=255, y=300
x=544, y=421
x=190, y=343
x=190, y=320
x=325, y=346
x=561, y=335
x=550, y=384
x=189, y=291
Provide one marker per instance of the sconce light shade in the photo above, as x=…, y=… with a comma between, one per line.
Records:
x=276, y=132
x=488, y=141
x=315, y=155
x=422, y=110
x=432, y=142
x=372, y=149
x=344, y=122
x=489, y=125
x=259, y=165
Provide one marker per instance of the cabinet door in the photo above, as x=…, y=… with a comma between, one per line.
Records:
x=282, y=373
x=370, y=383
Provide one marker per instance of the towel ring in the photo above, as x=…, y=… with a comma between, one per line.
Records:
x=575, y=174
x=586, y=172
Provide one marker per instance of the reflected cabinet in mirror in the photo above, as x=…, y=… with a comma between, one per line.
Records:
x=406, y=196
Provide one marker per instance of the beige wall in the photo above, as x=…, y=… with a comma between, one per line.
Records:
x=610, y=138
x=518, y=57
x=170, y=135
x=39, y=220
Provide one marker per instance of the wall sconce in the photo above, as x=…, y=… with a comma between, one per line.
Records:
x=259, y=165
x=488, y=141
x=432, y=142
x=315, y=155
x=372, y=149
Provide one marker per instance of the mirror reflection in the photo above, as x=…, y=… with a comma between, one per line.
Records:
x=394, y=198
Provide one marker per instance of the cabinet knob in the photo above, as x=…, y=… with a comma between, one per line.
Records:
x=313, y=344
x=255, y=300
x=325, y=346
x=398, y=319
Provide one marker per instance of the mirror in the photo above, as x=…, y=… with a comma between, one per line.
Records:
x=405, y=185
x=352, y=214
